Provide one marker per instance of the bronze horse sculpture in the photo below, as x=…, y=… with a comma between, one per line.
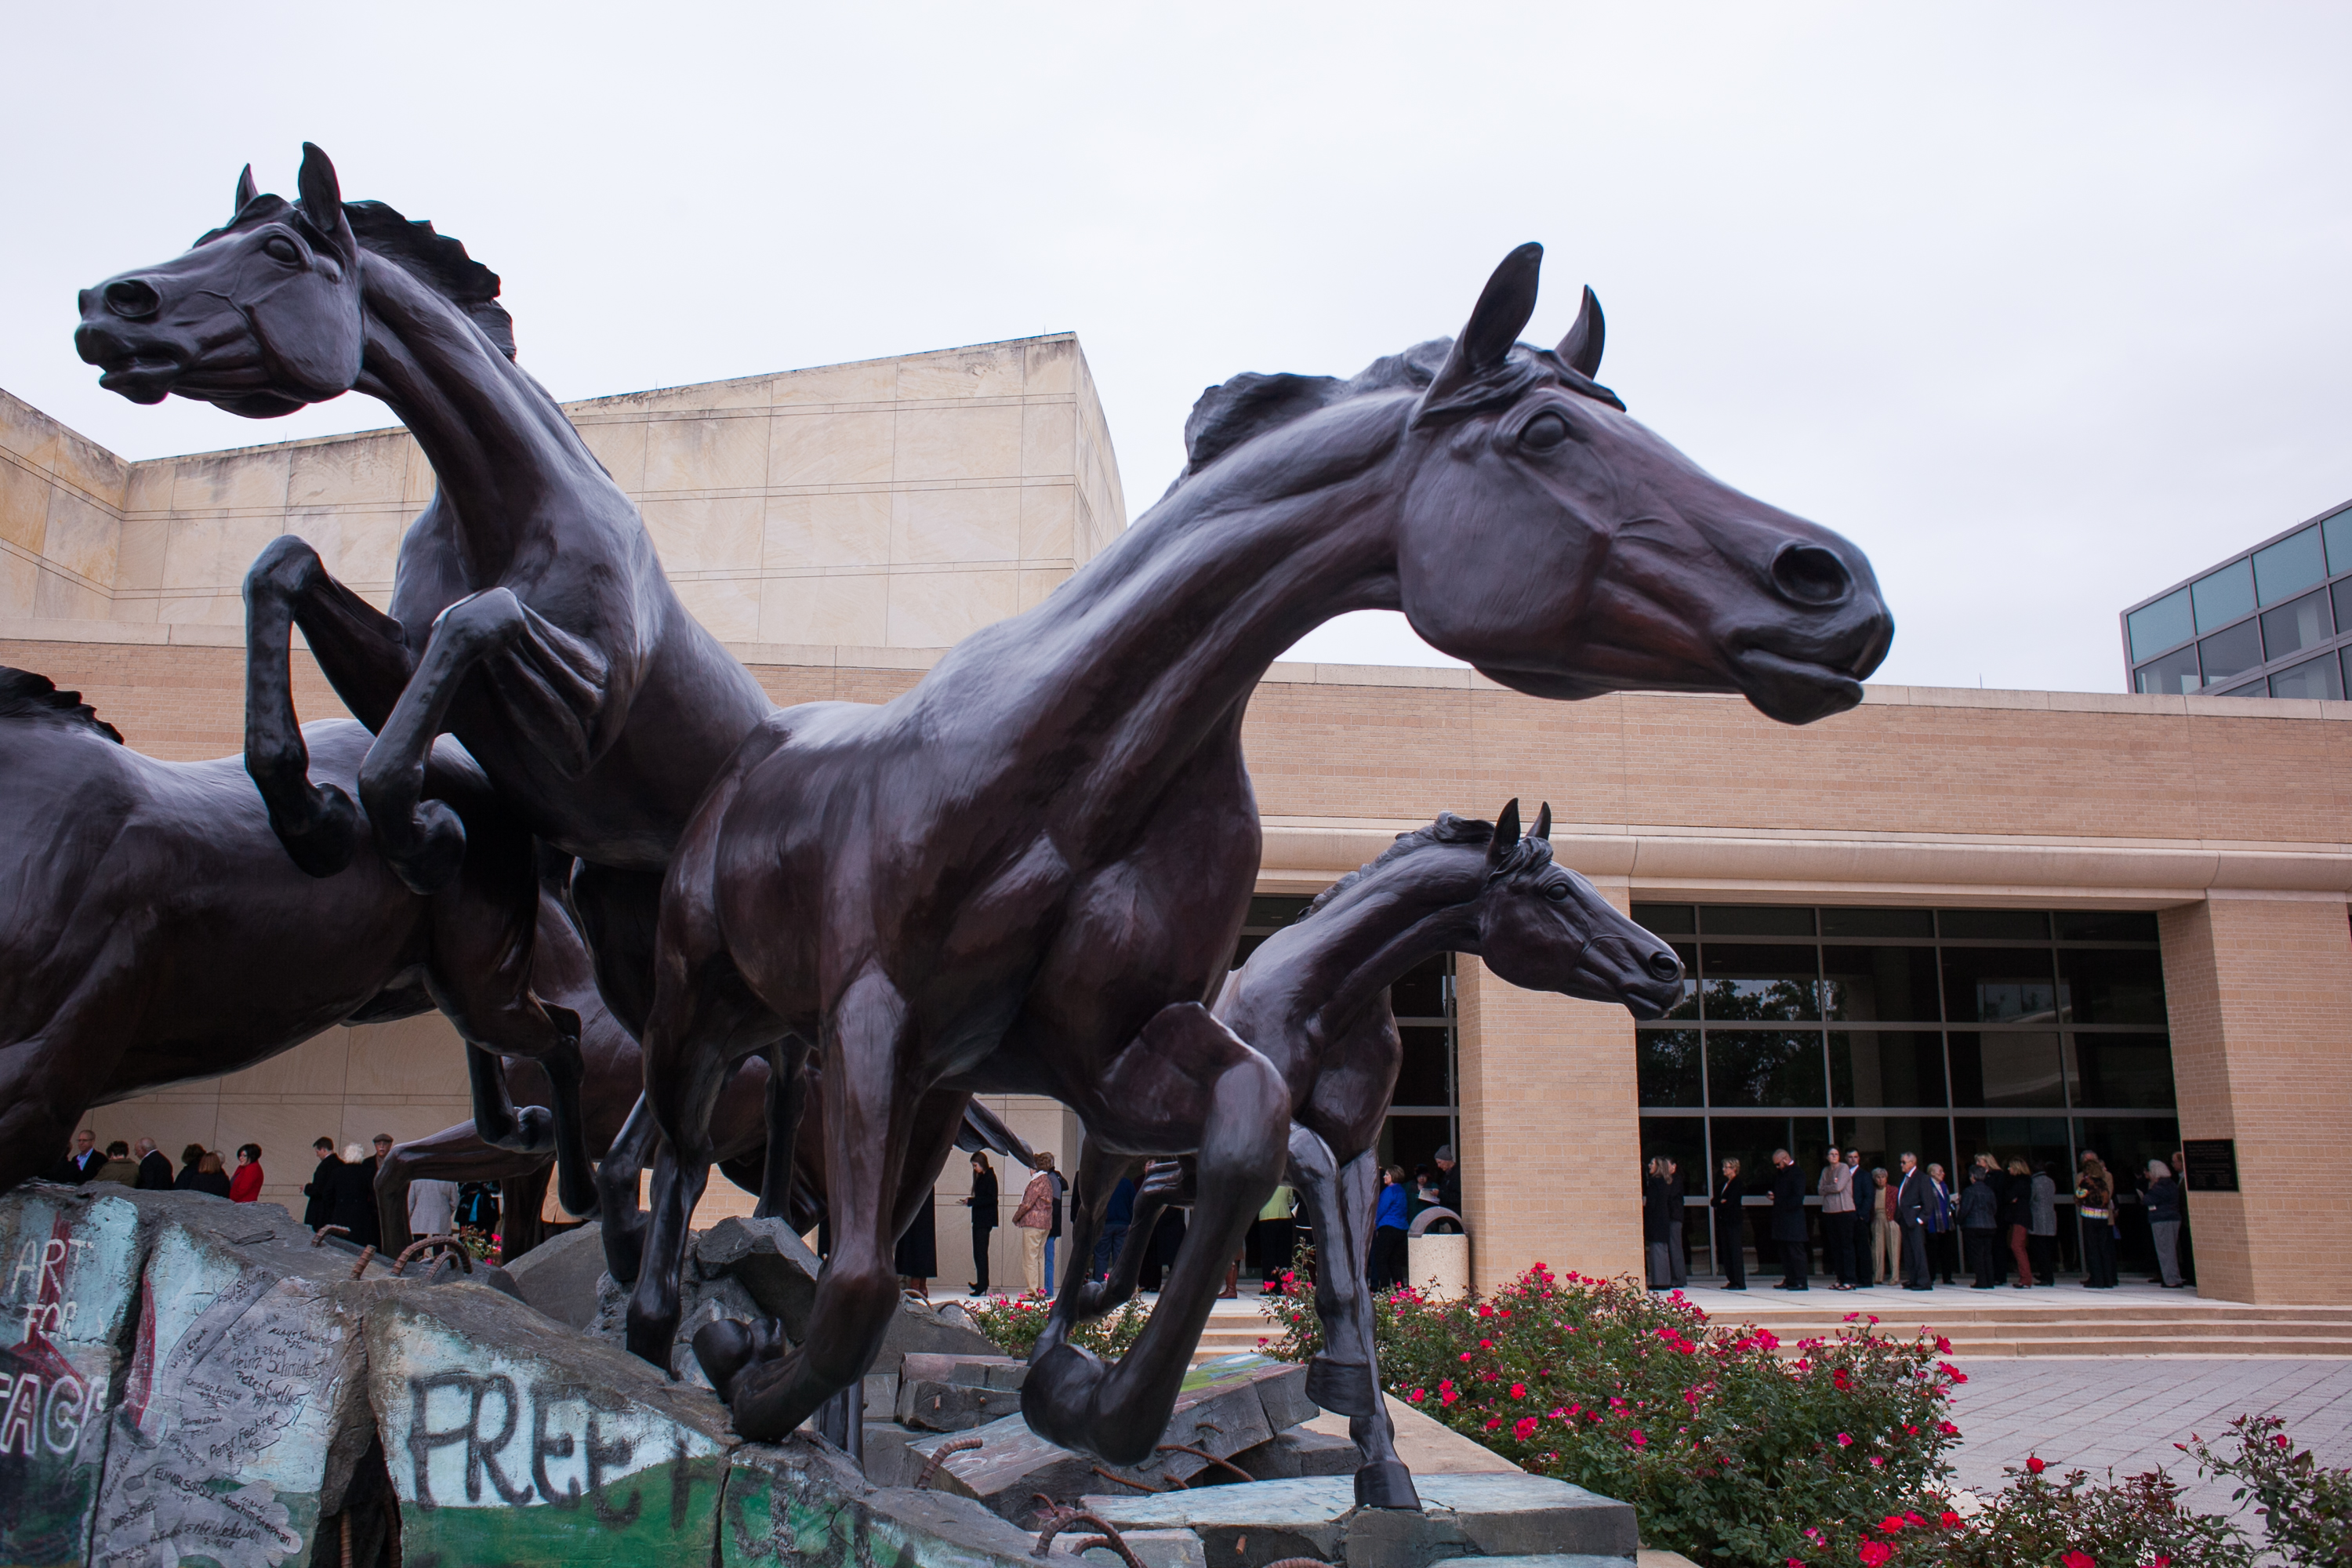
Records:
x=530, y=615
x=1026, y=873
x=1313, y=1001
x=157, y=935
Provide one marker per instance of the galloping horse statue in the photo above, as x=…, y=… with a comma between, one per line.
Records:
x=530, y=615
x=1313, y=1001
x=154, y=933
x=1027, y=873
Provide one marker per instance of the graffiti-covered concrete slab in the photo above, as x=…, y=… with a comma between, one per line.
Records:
x=511, y=1439
x=802, y=1503
x=244, y=1410
x=68, y=1282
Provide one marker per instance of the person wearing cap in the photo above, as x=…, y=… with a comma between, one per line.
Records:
x=1449, y=1179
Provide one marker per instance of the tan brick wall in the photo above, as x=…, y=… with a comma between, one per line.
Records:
x=2261, y=1052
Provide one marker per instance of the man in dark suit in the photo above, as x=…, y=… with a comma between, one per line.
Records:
x=82, y=1165
x=1912, y=1198
x=1789, y=1223
x=155, y=1171
x=1730, y=1245
x=320, y=1188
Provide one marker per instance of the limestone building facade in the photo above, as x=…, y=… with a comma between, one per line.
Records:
x=839, y=527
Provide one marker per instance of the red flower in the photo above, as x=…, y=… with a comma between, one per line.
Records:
x=1950, y=1520
x=1948, y=1429
x=1875, y=1553
x=1890, y=1524
x=1518, y=1391
x=1845, y=1440
x=1635, y=1439
x=2033, y=1464
x=1493, y=1422
x=2079, y=1559
x=1523, y=1428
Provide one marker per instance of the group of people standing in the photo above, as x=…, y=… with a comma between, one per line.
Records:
x=1913, y=1222
x=147, y=1169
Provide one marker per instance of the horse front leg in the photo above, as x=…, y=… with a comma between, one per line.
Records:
x=1344, y=1376
x=617, y=1177
x=870, y=1126
x=365, y=657
x=453, y=1154
x=1082, y=1296
x=554, y=686
x=1188, y=1073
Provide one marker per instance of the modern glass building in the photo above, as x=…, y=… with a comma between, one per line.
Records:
x=2023, y=1034
x=2271, y=622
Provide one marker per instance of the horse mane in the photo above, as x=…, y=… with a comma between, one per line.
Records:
x=25, y=695
x=437, y=260
x=1250, y=404
x=1447, y=829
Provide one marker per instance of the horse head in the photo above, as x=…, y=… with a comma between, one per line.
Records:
x=1543, y=928
x=1563, y=549
x=265, y=314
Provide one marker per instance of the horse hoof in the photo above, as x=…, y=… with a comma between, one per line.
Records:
x=440, y=850
x=724, y=1348
x=1057, y=1399
x=324, y=844
x=763, y=1405
x=1386, y=1483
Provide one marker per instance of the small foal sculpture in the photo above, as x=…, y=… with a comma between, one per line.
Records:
x=1026, y=873
x=1313, y=1000
x=529, y=614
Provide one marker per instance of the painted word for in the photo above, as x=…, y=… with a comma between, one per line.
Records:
x=471, y=1422
x=33, y=1417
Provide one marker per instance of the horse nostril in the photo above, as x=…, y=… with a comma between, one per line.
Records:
x=1663, y=966
x=1809, y=574
x=132, y=299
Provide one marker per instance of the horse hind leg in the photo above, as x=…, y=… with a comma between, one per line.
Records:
x=361, y=650
x=1344, y=1376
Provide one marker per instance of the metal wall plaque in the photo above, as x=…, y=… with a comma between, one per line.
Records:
x=2213, y=1164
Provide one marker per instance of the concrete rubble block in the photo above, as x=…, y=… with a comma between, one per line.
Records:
x=951, y=1393
x=559, y=1275
x=68, y=1281
x=511, y=1438
x=244, y=1415
x=1484, y=1516
x=802, y=1503
x=1152, y=1548
x=1296, y=1453
x=769, y=1260
x=1219, y=1412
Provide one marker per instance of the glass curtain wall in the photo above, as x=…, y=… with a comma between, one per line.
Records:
x=2271, y=622
x=2023, y=1034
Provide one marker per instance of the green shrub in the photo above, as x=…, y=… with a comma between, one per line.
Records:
x=2036, y=1523
x=1727, y=1450
x=1013, y=1322
x=2306, y=1509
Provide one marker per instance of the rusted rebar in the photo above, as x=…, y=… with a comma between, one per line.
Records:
x=320, y=1238
x=1122, y=1480
x=1204, y=1454
x=367, y=1256
x=931, y=1465
x=1060, y=1518
x=449, y=1245
x=1299, y=1562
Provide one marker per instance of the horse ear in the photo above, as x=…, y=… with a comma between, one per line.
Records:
x=1582, y=348
x=322, y=202
x=245, y=191
x=1496, y=323
x=1542, y=830
x=1506, y=832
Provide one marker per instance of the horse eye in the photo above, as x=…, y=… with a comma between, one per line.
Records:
x=1557, y=892
x=282, y=249
x=1544, y=432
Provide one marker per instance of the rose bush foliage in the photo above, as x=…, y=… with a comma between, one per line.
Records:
x=1013, y=1322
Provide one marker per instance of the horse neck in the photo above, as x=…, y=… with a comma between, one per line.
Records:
x=1343, y=956
x=1162, y=636
x=496, y=441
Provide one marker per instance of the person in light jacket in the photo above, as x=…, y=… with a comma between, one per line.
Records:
x=2163, y=1199
x=1980, y=1220
x=1837, y=1189
x=1033, y=1219
x=2042, y=1224
x=1885, y=1229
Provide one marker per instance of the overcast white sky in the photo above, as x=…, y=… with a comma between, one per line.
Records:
x=2046, y=307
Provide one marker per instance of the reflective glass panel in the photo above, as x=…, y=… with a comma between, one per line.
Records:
x=1879, y=984
x=1758, y=1066
x=2340, y=597
x=2295, y=625
x=2001, y=925
x=1751, y=1140
x=2224, y=595
x=1990, y=1067
x=1885, y=1140
x=1419, y=993
x=1887, y=1067
x=1420, y=1079
x=1754, y=920
x=1757, y=984
x=1666, y=919
x=2120, y=1072
x=2173, y=675
x=2288, y=567
x=2126, y=1144
x=2322, y=677
x=2155, y=628
x=2113, y=986
x=2036, y=1139
x=1683, y=1140
x=1999, y=986
x=2106, y=925
x=1878, y=922
x=1689, y=1006
x=1666, y=1066
x=2231, y=652
x=2338, y=530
